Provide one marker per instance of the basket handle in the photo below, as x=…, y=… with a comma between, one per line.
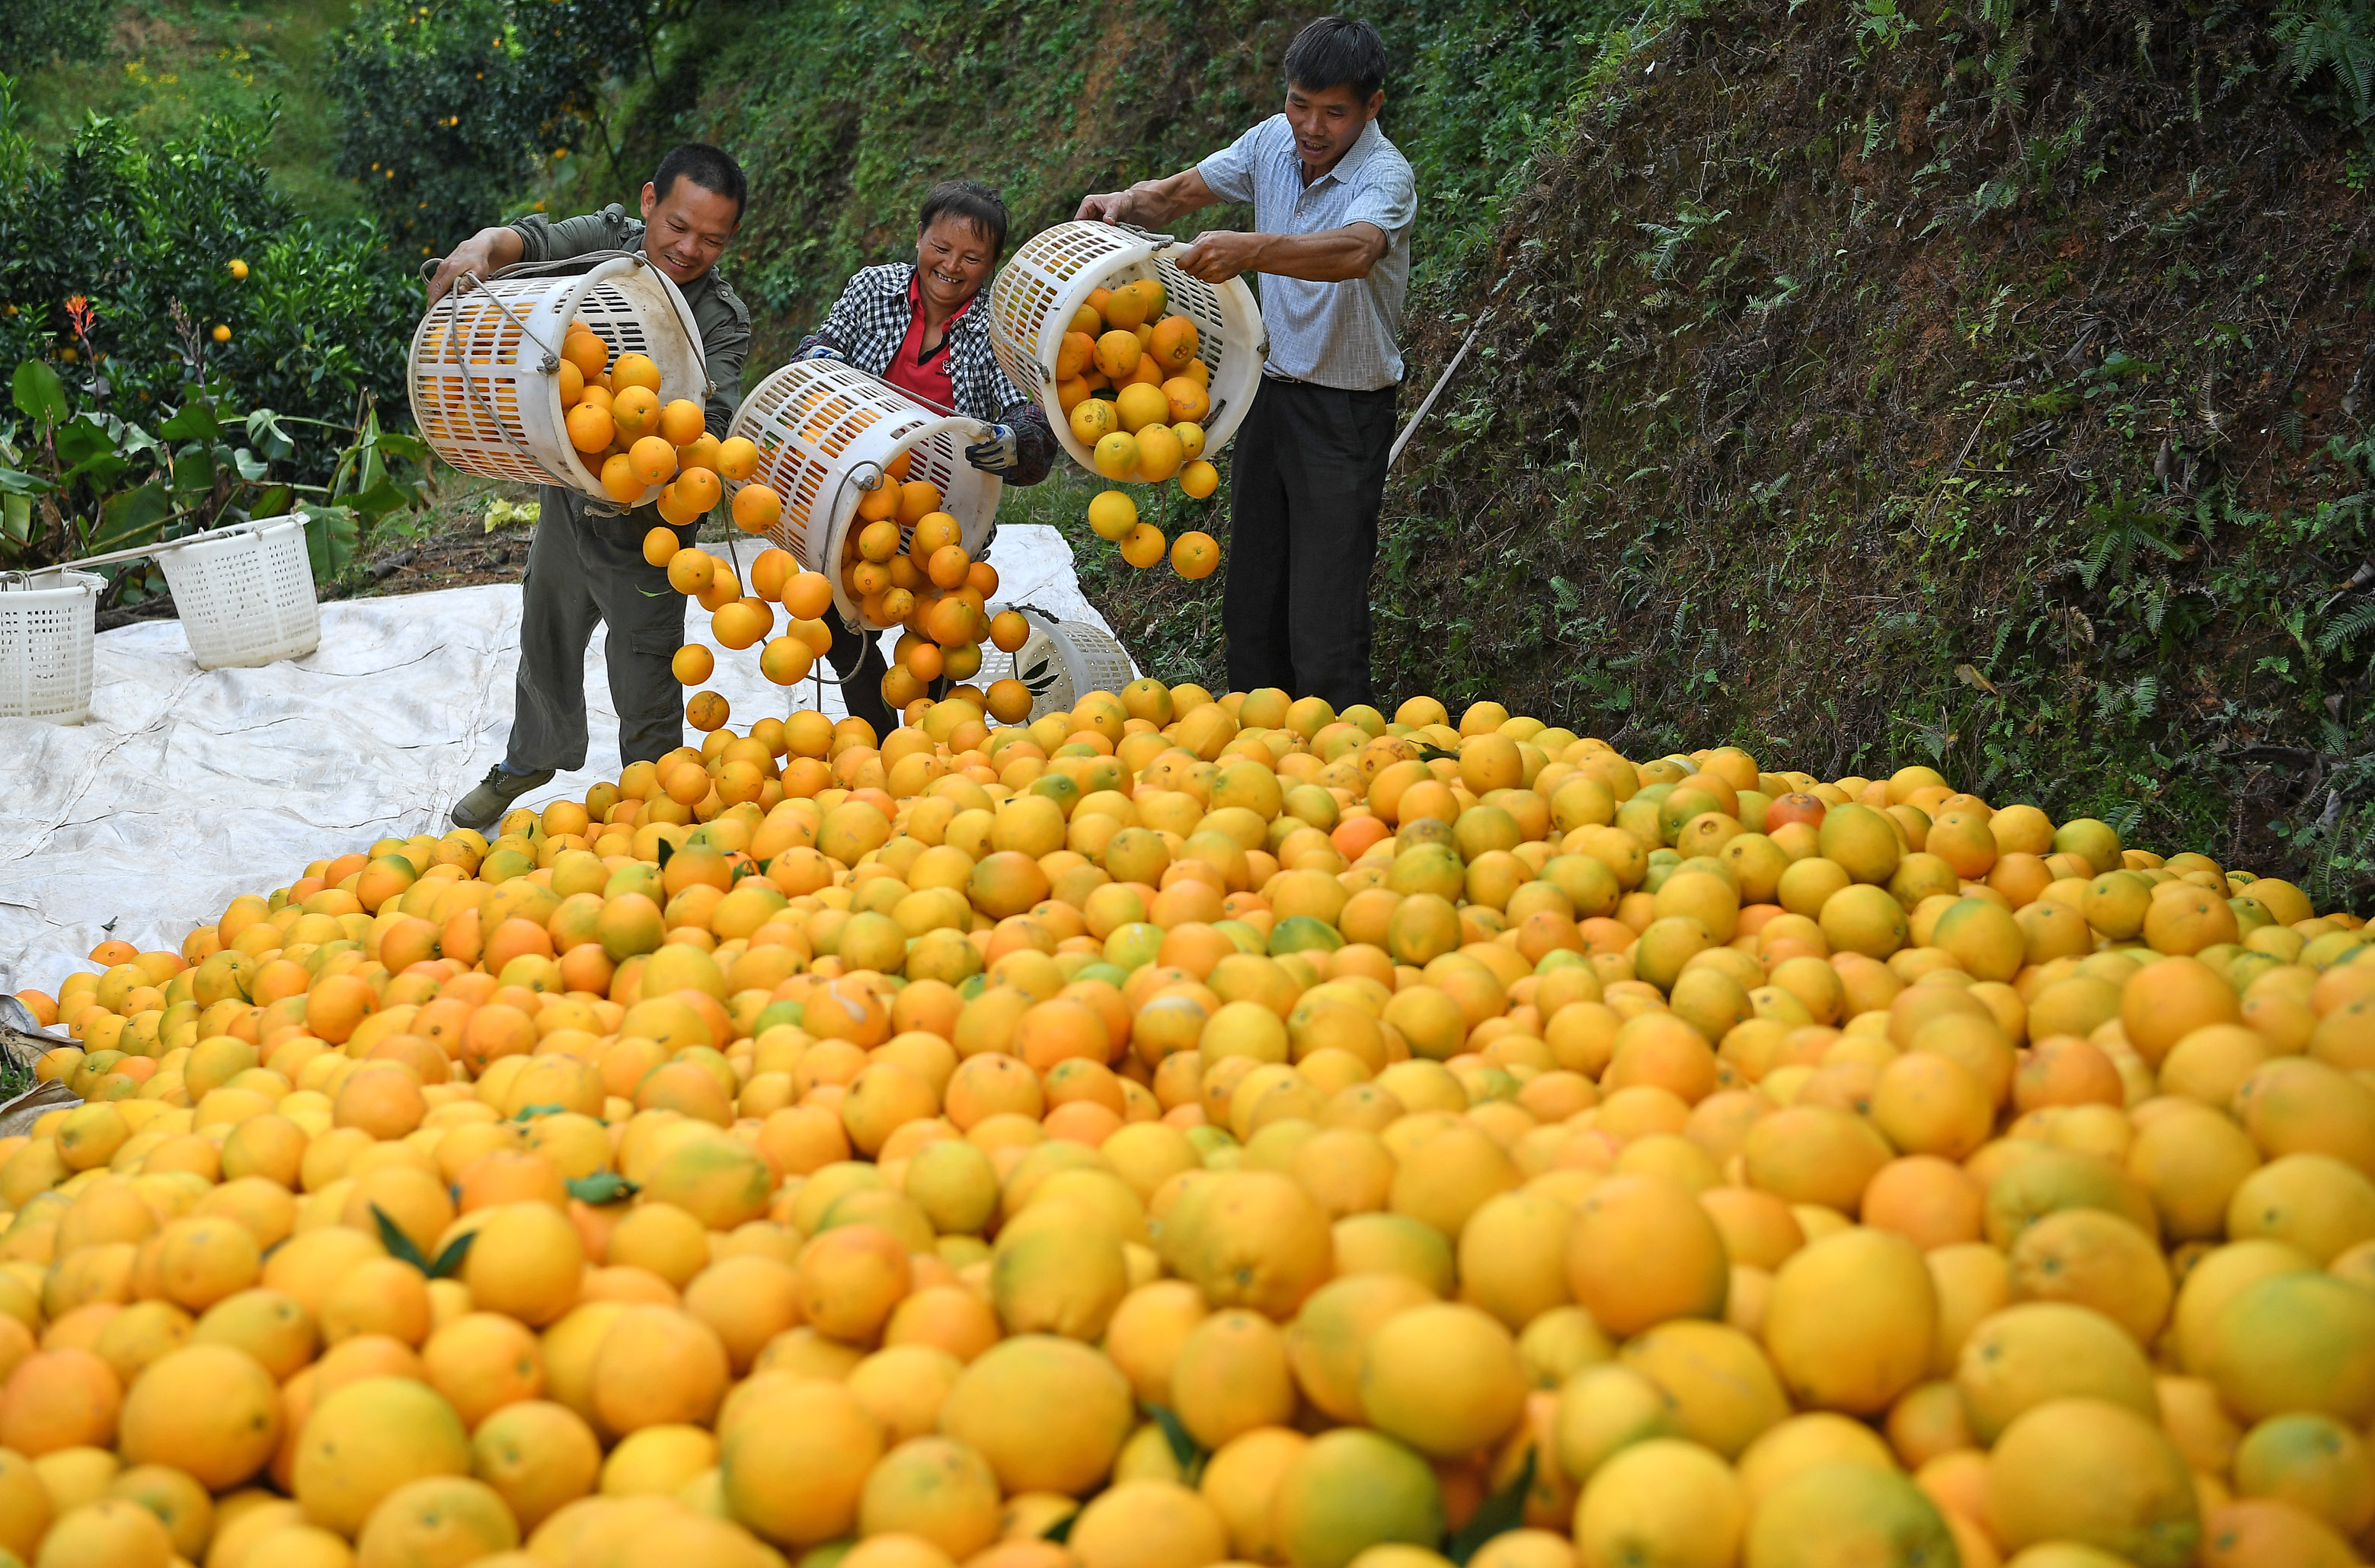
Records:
x=143, y=552
x=535, y=269
x=914, y=397
x=24, y=579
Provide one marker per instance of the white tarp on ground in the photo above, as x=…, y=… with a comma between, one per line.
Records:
x=187, y=787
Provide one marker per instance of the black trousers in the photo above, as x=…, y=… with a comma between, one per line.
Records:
x=857, y=658
x=586, y=567
x=1305, y=488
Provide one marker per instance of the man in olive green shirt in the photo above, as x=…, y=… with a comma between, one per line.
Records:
x=586, y=563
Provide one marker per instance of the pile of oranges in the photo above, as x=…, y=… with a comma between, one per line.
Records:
x=1185, y=1130
x=629, y=441
x=1130, y=384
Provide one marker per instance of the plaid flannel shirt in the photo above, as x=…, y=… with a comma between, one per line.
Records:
x=869, y=322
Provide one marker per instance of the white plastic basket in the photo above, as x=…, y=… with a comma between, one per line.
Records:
x=245, y=593
x=486, y=363
x=825, y=432
x=1061, y=662
x=1035, y=296
x=46, y=645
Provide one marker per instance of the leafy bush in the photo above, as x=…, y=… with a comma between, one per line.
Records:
x=84, y=482
x=144, y=238
x=32, y=31
x=449, y=112
x=2336, y=36
x=127, y=418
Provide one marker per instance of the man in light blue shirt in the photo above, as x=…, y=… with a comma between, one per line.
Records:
x=1333, y=204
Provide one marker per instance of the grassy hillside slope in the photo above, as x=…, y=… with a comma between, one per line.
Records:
x=167, y=63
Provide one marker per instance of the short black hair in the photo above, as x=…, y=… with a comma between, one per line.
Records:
x=706, y=167
x=1338, y=52
x=971, y=200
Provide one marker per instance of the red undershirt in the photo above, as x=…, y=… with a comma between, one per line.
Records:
x=911, y=370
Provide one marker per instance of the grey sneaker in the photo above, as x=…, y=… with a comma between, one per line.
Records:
x=484, y=807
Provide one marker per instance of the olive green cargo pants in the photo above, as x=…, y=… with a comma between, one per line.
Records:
x=586, y=567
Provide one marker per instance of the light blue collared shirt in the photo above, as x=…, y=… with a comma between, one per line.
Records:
x=1338, y=335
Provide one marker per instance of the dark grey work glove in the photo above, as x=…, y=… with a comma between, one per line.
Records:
x=996, y=453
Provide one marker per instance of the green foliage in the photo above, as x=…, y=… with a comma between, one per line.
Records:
x=845, y=112
x=114, y=270
x=2335, y=36
x=449, y=111
x=444, y=1266
x=83, y=482
x=32, y=31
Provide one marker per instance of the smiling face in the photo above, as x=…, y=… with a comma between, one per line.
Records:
x=952, y=261
x=687, y=229
x=1327, y=122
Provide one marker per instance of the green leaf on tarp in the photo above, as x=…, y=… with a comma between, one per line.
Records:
x=1496, y=1515
x=449, y=1262
x=1184, y=1451
x=399, y=1246
x=603, y=1186
x=38, y=393
x=193, y=421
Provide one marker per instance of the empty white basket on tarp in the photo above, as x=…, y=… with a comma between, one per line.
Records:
x=1036, y=296
x=485, y=367
x=1061, y=662
x=47, y=643
x=245, y=592
x=826, y=432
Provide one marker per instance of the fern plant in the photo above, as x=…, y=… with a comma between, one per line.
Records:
x=2348, y=627
x=2335, y=35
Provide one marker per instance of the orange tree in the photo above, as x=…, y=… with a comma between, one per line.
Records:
x=140, y=273
x=448, y=111
x=180, y=351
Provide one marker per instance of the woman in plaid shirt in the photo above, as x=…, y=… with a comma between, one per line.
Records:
x=916, y=326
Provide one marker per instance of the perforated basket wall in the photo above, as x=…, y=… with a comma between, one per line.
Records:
x=486, y=362
x=46, y=645
x=245, y=593
x=1061, y=662
x=825, y=432
x=1035, y=296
